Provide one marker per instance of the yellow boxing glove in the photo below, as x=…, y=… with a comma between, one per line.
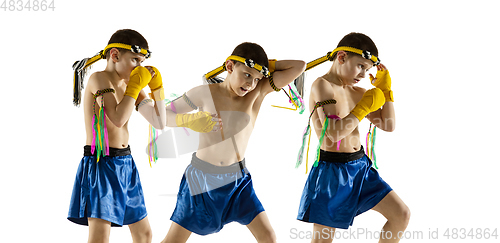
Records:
x=383, y=82
x=139, y=78
x=199, y=122
x=156, y=85
x=371, y=101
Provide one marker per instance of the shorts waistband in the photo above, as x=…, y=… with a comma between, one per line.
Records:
x=340, y=157
x=112, y=151
x=214, y=169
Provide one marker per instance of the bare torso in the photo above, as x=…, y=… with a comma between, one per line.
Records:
x=347, y=98
x=117, y=136
x=238, y=116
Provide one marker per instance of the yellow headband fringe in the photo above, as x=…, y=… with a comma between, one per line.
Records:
x=248, y=62
x=80, y=67
x=329, y=56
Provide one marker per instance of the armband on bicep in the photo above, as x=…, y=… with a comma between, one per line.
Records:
x=100, y=132
x=100, y=93
x=307, y=132
x=271, y=82
x=322, y=103
x=189, y=102
x=143, y=102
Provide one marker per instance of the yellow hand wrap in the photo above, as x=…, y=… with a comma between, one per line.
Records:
x=157, y=95
x=156, y=82
x=139, y=78
x=199, y=122
x=272, y=65
x=371, y=101
x=156, y=85
x=383, y=82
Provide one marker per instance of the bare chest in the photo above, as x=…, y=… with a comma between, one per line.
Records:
x=237, y=116
x=346, y=100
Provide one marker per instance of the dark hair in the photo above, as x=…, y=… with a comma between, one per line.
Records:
x=129, y=37
x=359, y=41
x=252, y=51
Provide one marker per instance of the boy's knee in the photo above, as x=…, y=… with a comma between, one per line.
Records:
x=404, y=215
x=148, y=236
x=145, y=236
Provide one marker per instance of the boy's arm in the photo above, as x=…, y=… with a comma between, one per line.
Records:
x=286, y=71
x=117, y=112
x=200, y=121
x=338, y=128
x=152, y=110
x=384, y=118
x=180, y=106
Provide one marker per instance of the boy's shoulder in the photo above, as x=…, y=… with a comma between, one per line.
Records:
x=320, y=81
x=98, y=81
x=199, y=94
x=200, y=90
x=321, y=85
x=321, y=88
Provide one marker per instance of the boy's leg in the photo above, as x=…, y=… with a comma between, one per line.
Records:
x=397, y=214
x=99, y=230
x=141, y=231
x=176, y=234
x=319, y=236
x=261, y=228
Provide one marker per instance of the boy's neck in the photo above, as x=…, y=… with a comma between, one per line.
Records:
x=113, y=75
x=332, y=76
x=226, y=88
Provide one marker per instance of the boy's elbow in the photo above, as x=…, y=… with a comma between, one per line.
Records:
x=158, y=126
x=301, y=66
x=391, y=128
x=158, y=122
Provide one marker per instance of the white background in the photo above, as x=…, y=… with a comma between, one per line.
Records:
x=441, y=159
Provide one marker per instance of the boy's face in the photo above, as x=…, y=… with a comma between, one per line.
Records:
x=244, y=79
x=354, y=68
x=126, y=61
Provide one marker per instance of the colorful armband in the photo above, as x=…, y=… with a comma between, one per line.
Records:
x=143, y=102
x=189, y=102
x=100, y=142
x=271, y=82
x=308, y=133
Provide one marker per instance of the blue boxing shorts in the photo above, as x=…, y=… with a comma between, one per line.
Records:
x=211, y=196
x=109, y=189
x=342, y=186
